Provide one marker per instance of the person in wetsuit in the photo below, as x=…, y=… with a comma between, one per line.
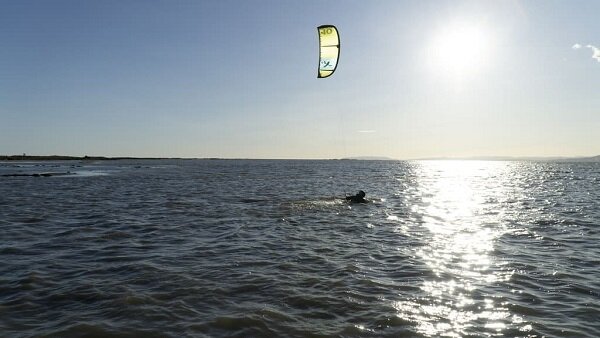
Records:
x=358, y=198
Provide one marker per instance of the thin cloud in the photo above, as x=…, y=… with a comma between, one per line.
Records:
x=595, y=50
x=366, y=131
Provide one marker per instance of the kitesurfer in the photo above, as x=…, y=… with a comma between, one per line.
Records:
x=358, y=198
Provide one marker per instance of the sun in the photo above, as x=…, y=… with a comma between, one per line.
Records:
x=460, y=49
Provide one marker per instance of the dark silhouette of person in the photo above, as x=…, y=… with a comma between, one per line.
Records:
x=358, y=198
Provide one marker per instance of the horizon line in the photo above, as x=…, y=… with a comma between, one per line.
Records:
x=352, y=158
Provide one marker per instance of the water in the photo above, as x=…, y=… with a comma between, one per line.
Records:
x=205, y=248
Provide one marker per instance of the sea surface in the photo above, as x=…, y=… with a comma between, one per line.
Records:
x=267, y=248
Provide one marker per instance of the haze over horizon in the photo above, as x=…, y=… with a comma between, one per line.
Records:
x=237, y=79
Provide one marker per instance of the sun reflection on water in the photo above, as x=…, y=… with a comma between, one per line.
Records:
x=460, y=227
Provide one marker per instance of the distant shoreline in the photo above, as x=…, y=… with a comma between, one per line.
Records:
x=77, y=158
x=364, y=158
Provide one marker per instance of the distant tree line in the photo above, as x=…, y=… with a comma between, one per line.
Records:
x=25, y=157
x=54, y=158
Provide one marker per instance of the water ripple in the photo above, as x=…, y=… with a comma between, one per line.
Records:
x=264, y=248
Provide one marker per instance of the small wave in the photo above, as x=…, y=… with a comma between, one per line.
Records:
x=101, y=330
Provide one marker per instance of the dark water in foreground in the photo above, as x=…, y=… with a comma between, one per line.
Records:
x=260, y=248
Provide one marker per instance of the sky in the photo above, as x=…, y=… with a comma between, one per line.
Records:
x=238, y=79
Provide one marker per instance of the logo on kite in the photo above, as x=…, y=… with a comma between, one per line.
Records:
x=329, y=50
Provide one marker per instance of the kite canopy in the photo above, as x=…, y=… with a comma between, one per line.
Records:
x=329, y=50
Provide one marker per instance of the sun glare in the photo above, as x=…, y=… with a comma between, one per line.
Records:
x=460, y=50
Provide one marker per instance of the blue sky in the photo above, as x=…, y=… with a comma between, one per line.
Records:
x=238, y=79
